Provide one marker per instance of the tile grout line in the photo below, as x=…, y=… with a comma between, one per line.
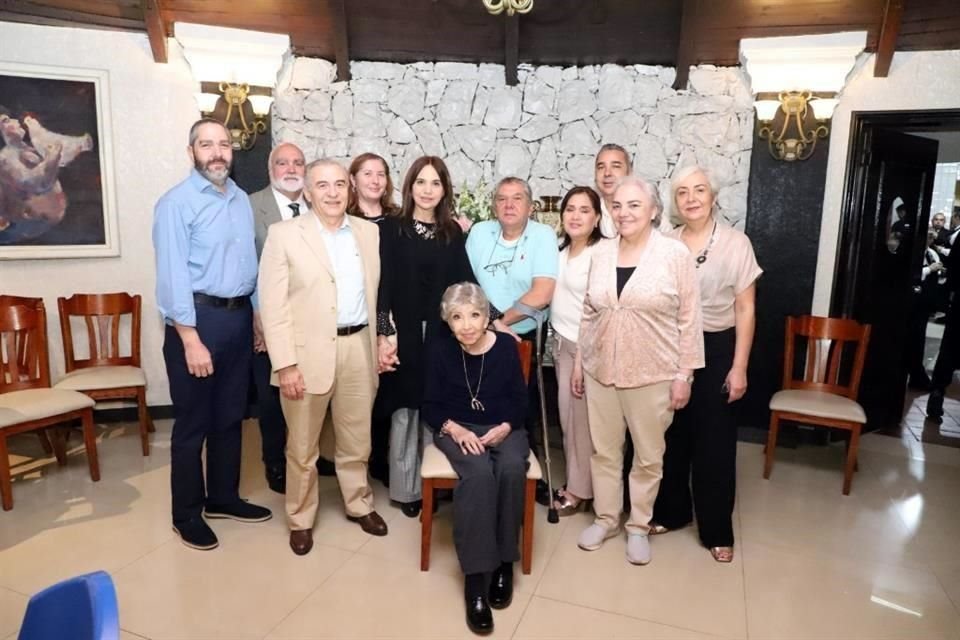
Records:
x=743, y=576
x=631, y=617
x=313, y=591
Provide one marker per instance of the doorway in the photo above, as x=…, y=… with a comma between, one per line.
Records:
x=885, y=273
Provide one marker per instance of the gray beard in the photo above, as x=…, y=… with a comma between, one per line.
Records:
x=216, y=176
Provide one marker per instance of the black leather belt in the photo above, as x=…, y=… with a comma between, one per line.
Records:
x=240, y=302
x=347, y=331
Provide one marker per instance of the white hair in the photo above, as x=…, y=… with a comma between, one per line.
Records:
x=647, y=187
x=460, y=294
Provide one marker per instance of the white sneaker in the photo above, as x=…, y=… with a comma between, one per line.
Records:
x=593, y=536
x=638, y=549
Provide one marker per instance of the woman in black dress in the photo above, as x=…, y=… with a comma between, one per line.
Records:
x=422, y=251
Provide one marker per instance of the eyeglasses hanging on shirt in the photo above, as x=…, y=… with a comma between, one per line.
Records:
x=504, y=265
x=295, y=207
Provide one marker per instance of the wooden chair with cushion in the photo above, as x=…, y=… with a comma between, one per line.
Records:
x=33, y=303
x=108, y=372
x=436, y=473
x=821, y=389
x=27, y=403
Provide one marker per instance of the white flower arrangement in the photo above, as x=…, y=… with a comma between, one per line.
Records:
x=473, y=205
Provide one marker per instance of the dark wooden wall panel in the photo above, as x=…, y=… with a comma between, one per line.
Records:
x=784, y=205
x=561, y=32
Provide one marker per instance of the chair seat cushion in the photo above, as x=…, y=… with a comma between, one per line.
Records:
x=108, y=377
x=436, y=465
x=818, y=404
x=34, y=404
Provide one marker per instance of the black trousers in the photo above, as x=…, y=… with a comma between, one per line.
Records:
x=273, y=427
x=488, y=500
x=702, y=442
x=949, y=355
x=208, y=410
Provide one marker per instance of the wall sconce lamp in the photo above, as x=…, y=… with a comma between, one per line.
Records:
x=496, y=7
x=793, y=122
x=243, y=113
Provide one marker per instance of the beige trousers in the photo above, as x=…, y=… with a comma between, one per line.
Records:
x=648, y=414
x=350, y=401
x=574, y=421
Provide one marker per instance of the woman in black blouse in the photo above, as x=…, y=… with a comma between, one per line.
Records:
x=422, y=252
x=475, y=403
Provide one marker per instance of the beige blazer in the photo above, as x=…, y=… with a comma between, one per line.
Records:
x=298, y=298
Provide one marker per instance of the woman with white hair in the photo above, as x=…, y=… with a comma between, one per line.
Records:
x=702, y=442
x=475, y=402
x=640, y=341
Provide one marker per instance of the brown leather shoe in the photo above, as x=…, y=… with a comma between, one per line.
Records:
x=372, y=523
x=301, y=541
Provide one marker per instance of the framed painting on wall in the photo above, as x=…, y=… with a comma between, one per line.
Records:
x=57, y=191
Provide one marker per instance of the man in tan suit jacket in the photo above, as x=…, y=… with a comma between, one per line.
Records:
x=319, y=275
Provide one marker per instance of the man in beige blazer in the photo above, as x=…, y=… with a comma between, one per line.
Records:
x=318, y=282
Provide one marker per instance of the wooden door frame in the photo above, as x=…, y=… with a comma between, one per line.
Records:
x=846, y=278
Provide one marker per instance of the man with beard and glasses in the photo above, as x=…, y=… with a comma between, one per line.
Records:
x=206, y=271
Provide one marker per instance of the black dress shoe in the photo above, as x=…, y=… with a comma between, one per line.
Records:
x=325, y=467
x=501, y=587
x=411, y=509
x=277, y=479
x=479, y=616
x=241, y=511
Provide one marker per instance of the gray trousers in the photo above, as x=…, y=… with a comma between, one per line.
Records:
x=408, y=436
x=488, y=500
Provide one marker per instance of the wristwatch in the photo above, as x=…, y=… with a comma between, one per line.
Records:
x=683, y=377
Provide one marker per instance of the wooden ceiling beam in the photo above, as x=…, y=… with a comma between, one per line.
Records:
x=511, y=54
x=341, y=43
x=686, y=51
x=153, y=19
x=887, y=45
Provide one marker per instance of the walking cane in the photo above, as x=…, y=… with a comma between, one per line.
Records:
x=540, y=315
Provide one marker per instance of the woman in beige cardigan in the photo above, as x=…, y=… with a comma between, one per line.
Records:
x=640, y=340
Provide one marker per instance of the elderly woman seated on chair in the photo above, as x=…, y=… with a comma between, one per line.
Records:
x=475, y=403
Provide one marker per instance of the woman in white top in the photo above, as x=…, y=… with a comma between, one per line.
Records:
x=580, y=215
x=702, y=441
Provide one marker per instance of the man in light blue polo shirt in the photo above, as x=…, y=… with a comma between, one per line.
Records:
x=513, y=257
x=515, y=260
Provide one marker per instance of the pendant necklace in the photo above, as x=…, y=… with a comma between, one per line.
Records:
x=475, y=404
x=702, y=256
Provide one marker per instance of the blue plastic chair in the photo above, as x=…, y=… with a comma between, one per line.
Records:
x=81, y=608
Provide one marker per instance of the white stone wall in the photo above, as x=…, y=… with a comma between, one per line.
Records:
x=546, y=129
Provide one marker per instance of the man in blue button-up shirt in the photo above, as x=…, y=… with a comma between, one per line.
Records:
x=206, y=271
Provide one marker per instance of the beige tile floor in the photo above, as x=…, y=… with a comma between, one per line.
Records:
x=810, y=563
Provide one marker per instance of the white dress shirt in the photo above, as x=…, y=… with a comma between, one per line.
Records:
x=283, y=203
x=344, y=255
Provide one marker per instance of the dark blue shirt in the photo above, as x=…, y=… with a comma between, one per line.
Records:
x=502, y=390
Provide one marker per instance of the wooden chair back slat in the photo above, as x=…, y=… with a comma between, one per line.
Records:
x=23, y=347
x=102, y=316
x=835, y=352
